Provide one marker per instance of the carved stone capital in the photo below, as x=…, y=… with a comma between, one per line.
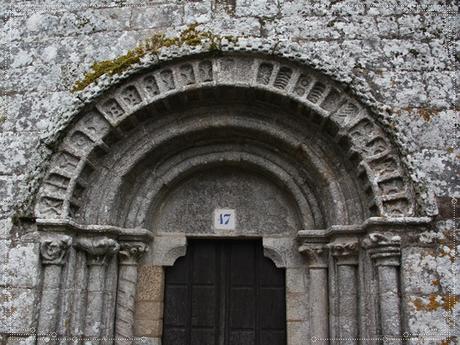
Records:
x=53, y=250
x=131, y=252
x=316, y=254
x=98, y=249
x=345, y=251
x=379, y=239
x=383, y=248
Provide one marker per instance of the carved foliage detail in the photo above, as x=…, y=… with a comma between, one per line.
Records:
x=264, y=73
x=316, y=92
x=302, y=85
x=187, y=74
x=376, y=146
x=343, y=248
x=282, y=78
x=397, y=207
x=131, y=96
x=167, y=78
x=384, y=248
x=391, y=186
x=81, y=141
x=386, y=165
x=331, y=101
x=56, y=184
x=112, y=108
x=205, y=69
x=50, y=207
x=381, y=239
x=151, y=85
x=95, y=125
x=316, y=253
x=66, y=161
x=98, y=249
x=131, y=252
x=53, y=250
x=346, y=112
x=362, y=131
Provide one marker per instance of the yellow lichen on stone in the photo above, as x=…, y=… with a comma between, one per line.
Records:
x=436, y=282
x=446, y=302
x=447, y=341
x=190, y=36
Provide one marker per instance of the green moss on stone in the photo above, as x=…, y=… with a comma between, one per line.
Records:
x=190, y=36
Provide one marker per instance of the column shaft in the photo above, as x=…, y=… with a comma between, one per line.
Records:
x=389, y=303
x=53, y=250
x=345, y=252
x=348, y=304
x=129, y=254
x=95, y=303
x=98, y=250
x=319, y=308
x=318, y=257
x=384, y=250
x=48, y=317
x=125, y=304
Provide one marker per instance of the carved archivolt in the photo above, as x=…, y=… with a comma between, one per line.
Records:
x=335, y=112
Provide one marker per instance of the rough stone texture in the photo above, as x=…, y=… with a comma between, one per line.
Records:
x=149, y=302
x=405, y=53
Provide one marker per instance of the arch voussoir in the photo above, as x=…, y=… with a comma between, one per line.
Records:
x=335, y=111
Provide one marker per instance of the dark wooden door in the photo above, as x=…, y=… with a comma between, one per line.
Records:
x=224, y=293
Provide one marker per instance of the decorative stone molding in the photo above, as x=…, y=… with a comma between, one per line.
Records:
x=345, y=251
x=275, y=76
x=131, y=252
x=53, y=250
x=276, y=248
x=383, y=248
x=377, y=239
x=98, y=249
x=70, y=227
x=167, y=249
x=317, y=254
x=346, y=286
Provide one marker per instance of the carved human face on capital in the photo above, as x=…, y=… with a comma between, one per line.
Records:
x=53, y=249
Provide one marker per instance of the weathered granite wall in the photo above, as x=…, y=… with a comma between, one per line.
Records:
x=406, y=51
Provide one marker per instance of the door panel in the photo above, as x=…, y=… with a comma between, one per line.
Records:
x=224, y=293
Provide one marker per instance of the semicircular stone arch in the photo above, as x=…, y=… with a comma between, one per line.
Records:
x=315, y=178
x=329, y=108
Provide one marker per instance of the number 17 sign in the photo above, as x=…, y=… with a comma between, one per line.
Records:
x=224, y=219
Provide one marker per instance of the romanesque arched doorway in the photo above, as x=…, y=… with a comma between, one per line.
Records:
x=272, y=150
x=224, y=292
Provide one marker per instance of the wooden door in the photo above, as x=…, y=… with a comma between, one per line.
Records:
x=224, y=293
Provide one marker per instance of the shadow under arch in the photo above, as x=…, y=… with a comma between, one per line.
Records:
x=270, y=113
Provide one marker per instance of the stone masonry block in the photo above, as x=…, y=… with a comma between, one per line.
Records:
x=17, y=310
x=157, y=16
x=150, y=284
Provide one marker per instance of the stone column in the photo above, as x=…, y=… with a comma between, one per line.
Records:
x=129, y=255
x=384, y=250
x=98, y=250
x=317, y=255
x=346, y=259
x=53, y=252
